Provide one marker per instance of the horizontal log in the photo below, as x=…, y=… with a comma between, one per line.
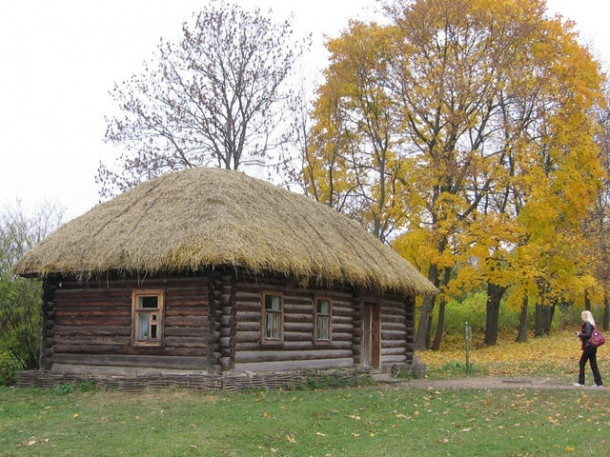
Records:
x=395, y=321
x=248, y=326
x=294, y=365
x=94, y=294
x=391, y=360
x=392, y=334
x=172, y=342
x=186, y=321
x=248, y=336
x=92, y=320
x=252, y=346
x=394, y=344
x=340, y=336
x=194, y=302
x=298, y=302
x=298, y=327
x=386, y=351
x=128, y=350
x=84, y=341
x=347, y=320
x=133, y=361
x=87, y=330
x=186, y=311
x=243, y=316
x=343, y=311
x=297, y=336
x=298, y=309
x=100, y=302
x=342, y=328
x=246, y=345
x=244, y=296
x=247, y=308
x=298, y=318
x=195, y=332
x=271, y=356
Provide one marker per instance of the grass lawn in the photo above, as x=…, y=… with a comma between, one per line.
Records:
x=368, y=421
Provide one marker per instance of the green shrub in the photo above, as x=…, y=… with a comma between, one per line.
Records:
x=9, y=366
x=87, y=386
x=64, y=389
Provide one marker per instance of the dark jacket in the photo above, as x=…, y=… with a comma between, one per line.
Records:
x=586, y=329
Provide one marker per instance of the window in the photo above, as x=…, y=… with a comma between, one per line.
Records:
x=147, y=318
x=322, y=319
x=273, y=317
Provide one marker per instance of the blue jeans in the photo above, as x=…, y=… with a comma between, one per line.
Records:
x=589, y=353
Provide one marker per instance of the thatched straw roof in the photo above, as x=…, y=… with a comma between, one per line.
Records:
x=210, y=217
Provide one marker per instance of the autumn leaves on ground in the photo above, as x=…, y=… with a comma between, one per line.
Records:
x=555, y=355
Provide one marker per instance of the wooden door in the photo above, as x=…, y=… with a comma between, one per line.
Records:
x=371, y=336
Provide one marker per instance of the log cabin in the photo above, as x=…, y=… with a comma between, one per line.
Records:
x=212, y=271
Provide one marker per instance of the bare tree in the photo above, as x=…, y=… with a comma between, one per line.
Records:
x=218, y=97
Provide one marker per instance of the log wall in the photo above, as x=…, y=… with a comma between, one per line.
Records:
x=212, y=324
x=89, y=324
x=299, y=350
x=395, y=330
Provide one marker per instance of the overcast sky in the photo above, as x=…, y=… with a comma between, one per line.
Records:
x=60, y=58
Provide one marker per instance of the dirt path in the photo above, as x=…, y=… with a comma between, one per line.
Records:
x=484, y=383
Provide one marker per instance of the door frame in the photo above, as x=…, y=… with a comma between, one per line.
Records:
x=371, y=336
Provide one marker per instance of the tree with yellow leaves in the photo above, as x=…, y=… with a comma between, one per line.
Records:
x=472, y=121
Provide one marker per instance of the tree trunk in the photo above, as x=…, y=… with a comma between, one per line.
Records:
x=523, y=324
x=438, y=336
x=440, y=325
x=422, y=337
x=551, y=314
x=606, y=318
x=543, y=320
x=539, y=321
x=494, y=296
x=587, y=301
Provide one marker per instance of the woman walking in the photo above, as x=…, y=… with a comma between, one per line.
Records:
x=588, y=352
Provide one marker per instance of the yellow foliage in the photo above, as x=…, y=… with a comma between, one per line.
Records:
x=466, y=127
x=561, y=350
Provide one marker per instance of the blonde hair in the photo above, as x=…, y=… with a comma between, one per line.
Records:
x=588, y=317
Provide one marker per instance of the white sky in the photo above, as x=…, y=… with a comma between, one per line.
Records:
x=60, y=58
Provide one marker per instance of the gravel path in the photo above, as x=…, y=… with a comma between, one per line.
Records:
x=483, y=383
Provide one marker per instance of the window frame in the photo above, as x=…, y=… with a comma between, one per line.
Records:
x=137, y=312
x=328, y=315
x=266, y=340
